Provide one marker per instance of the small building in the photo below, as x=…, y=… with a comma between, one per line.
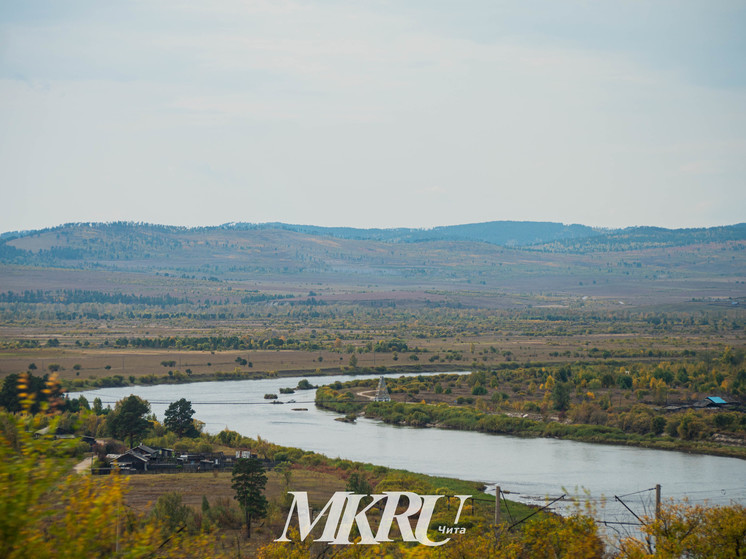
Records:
x=203, y=461
x=711, y=402
x=131, y=461
x=715, y=402
x=146, y=451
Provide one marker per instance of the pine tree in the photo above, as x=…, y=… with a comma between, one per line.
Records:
x=178, y=418
x=248, y=482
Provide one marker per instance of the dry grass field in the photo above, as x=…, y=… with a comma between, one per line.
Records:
x=89, y=364
x=144, y=489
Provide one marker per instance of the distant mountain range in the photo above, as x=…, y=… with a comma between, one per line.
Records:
x=535, y=234
x=644, y=264
x=501, y=233
x=278, y=245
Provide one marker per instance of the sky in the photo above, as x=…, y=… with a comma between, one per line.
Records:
x=388, y=113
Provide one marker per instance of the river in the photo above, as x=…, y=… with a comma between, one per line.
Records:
x=530, y=469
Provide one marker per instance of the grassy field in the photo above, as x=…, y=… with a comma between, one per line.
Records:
x=145, y=489
x=320, y=482
x=465, y=352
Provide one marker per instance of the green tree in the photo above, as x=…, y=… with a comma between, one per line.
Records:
x=690, y=426
x=659, y=424
x=478, y=390
x=249, y=481
x=128, y=418
x=178, y=418
x=561, y=396
x=171, y=512
x=624, y=382
x=358, y=484
x=10, y=394
x=285, y=469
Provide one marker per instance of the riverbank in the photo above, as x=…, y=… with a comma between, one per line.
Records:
x=455, y=417
x=465, y=418
x=118, y=381
x=528, y=468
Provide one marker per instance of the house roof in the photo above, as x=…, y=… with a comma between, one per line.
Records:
x=129, y=456
x=716, y=400
x=145, y=449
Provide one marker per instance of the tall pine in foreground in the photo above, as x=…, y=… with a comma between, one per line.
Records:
x=248, y=482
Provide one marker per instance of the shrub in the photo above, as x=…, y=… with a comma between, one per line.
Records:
x=478, y=390
x=223, y=514
x=172, y=514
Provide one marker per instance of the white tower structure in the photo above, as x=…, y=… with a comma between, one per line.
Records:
x=382, y=394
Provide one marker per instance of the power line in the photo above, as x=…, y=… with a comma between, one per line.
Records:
x=269, y=401
x=535, y=512
x=636, y=492
x=743, y=488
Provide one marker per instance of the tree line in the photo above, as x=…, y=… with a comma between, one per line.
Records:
x=72, y=296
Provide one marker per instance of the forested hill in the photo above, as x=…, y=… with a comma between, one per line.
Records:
x=634, y=238
x=283, y=247
x=501, y=233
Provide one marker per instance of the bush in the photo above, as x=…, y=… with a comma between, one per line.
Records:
x=203, y=447
x=478, y=390
x=659, y=424
x=624, y=382
x=690, y=427
x=357, y=483
x=223, y=514
x=724, y=420
x=531, y=407
x=172, y=514
x=672, y=427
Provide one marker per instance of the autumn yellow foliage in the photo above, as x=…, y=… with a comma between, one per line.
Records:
x=48, y=512
x=545, y=537
x=686, y=530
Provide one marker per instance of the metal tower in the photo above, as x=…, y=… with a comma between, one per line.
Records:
x=382, y=394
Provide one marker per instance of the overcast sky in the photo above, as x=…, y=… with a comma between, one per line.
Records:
x=391, y=113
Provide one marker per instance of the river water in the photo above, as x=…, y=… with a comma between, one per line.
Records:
x=531, y=469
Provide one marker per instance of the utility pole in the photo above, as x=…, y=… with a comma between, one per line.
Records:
x=657, y=501
x=497, y=506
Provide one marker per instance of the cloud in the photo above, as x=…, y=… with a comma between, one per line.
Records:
x=296, y=111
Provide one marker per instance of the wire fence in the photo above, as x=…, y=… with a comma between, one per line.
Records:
x=623, y=516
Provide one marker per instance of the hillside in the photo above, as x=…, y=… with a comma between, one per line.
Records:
x=87, y=243
x=501, y=233
x=634, y=238
x=127, y=295
x=555, y=260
